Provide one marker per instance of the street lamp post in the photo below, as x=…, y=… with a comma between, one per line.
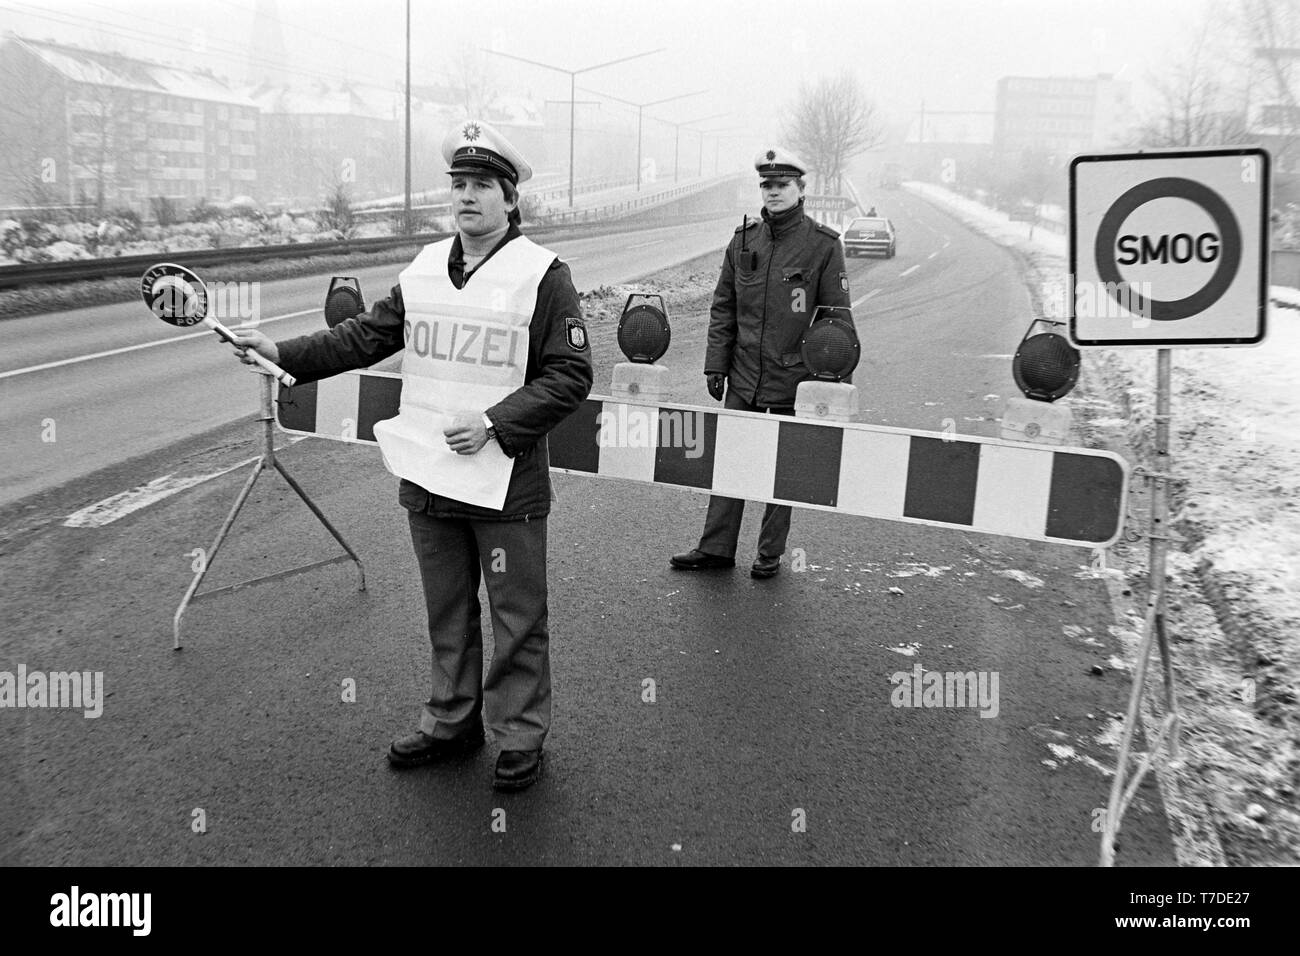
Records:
x=573, y=75
x=640, y=107
x=716, y=141
x=406, y=206
x=678, y=140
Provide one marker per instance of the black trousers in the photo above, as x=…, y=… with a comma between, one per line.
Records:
x=722, y=525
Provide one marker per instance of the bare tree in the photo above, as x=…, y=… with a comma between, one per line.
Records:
x=1194, y=102
x=100, y=136
x=831, y=121
x=1270, y=33
x=475, y=82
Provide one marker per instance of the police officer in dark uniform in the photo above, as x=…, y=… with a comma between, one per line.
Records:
x=494, y=402
x=777, y=270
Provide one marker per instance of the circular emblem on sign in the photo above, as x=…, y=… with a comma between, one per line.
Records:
x=1168, y=310
x=174, y=294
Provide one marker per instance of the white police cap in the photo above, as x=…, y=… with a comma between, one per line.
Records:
x=473, y=146
x=779, y=162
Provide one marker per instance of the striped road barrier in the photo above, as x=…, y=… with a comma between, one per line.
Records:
x=1072, y=496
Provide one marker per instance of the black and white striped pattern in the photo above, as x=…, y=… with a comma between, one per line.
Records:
x=1072, y=496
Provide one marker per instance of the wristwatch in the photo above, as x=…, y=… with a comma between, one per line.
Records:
x=491, y=429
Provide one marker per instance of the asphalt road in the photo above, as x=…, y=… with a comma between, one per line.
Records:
x=772, y=698
x=161, y=384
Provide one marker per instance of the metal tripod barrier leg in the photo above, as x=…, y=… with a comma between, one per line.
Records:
x=1171, y=694
x=320, y=515
x=1111, y=824
x=212, y=553
x=266, y=418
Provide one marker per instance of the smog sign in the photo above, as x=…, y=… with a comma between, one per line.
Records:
x=1169, y=248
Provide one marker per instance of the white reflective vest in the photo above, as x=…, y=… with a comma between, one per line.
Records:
x=466, y=350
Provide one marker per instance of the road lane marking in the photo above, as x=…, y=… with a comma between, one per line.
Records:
x=858, y=302
x=124, y=503
x=908, y=271
x=143, y=345
x=932, y=255
x=652, y=242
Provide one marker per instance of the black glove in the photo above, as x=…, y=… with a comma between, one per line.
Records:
x=716, y=383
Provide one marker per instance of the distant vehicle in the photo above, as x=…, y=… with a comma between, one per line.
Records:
x=891, y=175
x=1021, y=210
x=870, y=235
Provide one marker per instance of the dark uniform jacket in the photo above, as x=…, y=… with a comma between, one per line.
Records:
x=556, y=381
x=754, y=325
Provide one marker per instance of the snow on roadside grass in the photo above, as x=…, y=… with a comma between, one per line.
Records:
x=1235, y=417
x=1235, y=443
x=1285, y=296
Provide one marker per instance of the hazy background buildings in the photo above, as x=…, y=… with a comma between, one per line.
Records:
x=159, y=108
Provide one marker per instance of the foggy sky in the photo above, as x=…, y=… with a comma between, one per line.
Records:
x=750, y=55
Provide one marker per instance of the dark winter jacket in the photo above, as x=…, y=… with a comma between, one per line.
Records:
x=775, y=273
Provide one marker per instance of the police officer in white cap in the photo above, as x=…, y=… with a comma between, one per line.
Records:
x=777, y=270
x=496, y=355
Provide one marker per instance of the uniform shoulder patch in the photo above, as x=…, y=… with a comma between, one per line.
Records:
x=822, y=227
x=844, y=282
x=575, y=332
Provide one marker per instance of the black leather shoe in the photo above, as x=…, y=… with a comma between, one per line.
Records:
x=697, y=560
x=765, y=567
x=517, y=769
x=419, y=748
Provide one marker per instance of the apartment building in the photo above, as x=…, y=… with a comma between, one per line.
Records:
x=85, y=127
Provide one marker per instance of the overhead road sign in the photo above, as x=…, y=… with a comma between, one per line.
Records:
x=826, y=203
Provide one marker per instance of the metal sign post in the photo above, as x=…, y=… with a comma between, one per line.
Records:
x=1121, y=793
x=267, y=460
x=1167, y=249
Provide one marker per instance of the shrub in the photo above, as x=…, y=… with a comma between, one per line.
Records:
x=125, y=217
x=204, y=211
x=164, y=210
x=337, y=213
x=533, y=210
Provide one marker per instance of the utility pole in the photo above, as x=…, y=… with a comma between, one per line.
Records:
x=406, y=215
